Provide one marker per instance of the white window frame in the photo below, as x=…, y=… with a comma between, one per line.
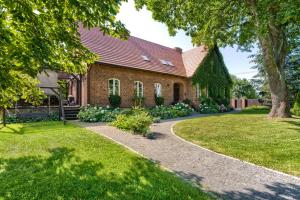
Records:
x=114, y=86
x=157, y=89
x=137, y=87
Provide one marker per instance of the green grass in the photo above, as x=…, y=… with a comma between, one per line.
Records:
x=249, y=136
x=47, y=160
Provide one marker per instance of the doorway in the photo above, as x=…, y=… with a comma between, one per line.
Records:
x=176, y=92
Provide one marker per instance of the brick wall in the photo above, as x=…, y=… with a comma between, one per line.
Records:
x=99, y=75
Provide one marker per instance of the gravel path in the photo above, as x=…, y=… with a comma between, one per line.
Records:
x=228, y=178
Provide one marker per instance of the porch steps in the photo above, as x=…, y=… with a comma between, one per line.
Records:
x=71, y=112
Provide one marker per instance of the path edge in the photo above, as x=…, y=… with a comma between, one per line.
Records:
x=226, y=156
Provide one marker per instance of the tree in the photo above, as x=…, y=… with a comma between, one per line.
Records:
x=42, y=34
x=291, y=71
x=274, y=25
x=242, y=88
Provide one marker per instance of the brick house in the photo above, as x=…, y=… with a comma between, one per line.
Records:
x=136, y=67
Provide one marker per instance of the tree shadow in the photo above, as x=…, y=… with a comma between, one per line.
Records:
x=20, y=131
x=276, y=191
x=63, y=175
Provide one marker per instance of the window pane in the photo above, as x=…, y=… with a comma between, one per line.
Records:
x=110, y=86
x=136, y=88
x=157, y=89
x=140, y=89
x=117, y=86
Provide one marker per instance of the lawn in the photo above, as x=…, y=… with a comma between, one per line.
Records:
x=249, y=136
x=48, y=160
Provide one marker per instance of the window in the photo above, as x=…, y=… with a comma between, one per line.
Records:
x=198, y=91
x=145, y=58
x=167, y=62
x=164, y=62
x=170, y=63
x=138, y=89
x=157, y=89
x=113, y=86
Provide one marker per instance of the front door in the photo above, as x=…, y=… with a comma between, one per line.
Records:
x=176, y=92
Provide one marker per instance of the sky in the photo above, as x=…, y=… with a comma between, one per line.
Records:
x=141, y=24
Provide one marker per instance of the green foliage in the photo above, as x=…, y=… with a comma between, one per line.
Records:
x=291, y=70
x=169, y=112
x=63, y=88
x=226, y=22
x=242, y=88
x=213, y=74
x=208, y=105
x=296, y=107
x=69, y=162
x=39, y=35
x=273, y=25
x=138, y=123
x=187, y=101
x=159, y=101
x=15, y=85
x=114, y=100
x=11, y=119
x=98, y=114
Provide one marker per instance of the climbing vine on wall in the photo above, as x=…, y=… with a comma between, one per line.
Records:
x=213, y=75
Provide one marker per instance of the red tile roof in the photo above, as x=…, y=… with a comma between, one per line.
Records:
x=128, y=53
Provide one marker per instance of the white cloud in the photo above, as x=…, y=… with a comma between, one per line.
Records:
x=141, y=24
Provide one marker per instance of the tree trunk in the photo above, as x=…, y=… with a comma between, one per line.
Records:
x=274, y=59
x=274, y=47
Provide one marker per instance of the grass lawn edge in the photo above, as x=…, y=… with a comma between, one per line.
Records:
x=224, y=155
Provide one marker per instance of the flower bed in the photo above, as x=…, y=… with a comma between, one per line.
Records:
x=209, y=106
x=170, y=112
x=135, y=120
x=98, y=114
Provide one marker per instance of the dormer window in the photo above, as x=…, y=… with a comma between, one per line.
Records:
x=170, y=63
x=145, y=58
x=166, y=62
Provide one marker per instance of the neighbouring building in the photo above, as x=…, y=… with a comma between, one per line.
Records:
x=139, y=68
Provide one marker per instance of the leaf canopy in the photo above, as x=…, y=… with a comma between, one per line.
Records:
x=225, y=22
x=42, y=34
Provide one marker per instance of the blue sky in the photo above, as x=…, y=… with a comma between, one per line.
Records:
x=141, y=24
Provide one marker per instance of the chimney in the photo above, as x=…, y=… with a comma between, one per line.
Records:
x=178, y=49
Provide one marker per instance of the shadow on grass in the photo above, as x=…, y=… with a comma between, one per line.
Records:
x=62, y=175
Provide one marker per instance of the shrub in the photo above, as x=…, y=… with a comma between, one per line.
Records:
x=10, y=119
x=169, y=112
x=115, y=101
x=187, y=101
x=159, y=101
x=138, y=123
x=207, y=105
x=208, y=109
x=296, y=108
x=98, y=114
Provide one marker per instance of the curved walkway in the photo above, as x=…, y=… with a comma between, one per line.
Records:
x=226, y=177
